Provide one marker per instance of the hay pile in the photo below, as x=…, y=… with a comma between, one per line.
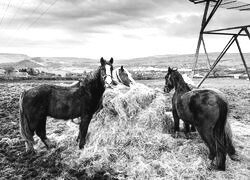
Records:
x=132, y=124
x=129, y=139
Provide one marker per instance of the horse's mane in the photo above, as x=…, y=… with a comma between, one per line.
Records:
x=117, y=78
x=90, y=78
x=178, y=78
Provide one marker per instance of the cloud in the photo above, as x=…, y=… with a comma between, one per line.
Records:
x=72, y=23
x=95, y=14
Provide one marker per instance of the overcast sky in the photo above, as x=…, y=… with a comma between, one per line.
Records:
x=118, y=28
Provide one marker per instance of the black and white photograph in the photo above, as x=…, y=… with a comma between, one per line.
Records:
x=124, y=89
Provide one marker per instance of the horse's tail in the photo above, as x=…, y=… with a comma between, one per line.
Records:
x=221, y=137
x=230, y=147
x=25, y=131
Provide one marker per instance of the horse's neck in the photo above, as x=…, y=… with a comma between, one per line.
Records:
x=94, y=85
x=181, y=86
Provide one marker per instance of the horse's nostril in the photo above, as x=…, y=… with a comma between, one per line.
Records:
x=108, y=86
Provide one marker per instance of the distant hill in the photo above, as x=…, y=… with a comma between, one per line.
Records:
x=8, y=57
x=27, y=63
x=62, y=65
x=22, y=64
x=187, y=60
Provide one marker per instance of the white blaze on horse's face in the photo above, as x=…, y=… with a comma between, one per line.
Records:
x=108, y=79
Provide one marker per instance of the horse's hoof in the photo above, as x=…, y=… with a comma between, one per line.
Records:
x=211, y=156
x=222, y=168
x=77, y=139
x=193, y=129
x=29, y=152
x=175, y=135
x=49, y=144
x=81, y=145
x=212, y=166
x=234, y=157
x=188, y=136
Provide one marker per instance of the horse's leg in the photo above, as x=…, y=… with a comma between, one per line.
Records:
x=206, y=134
x=186, y=127
x=41, y=132
x=85, y=120
x=187, y=130
x=193, y=128
x=78, y=137
x=176, y=122
x=29, y=147
x=230, y=147
x=231, y=151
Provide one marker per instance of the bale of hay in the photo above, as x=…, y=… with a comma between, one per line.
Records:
x=132, y=123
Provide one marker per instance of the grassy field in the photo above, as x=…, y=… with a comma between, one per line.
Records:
x=145, y=153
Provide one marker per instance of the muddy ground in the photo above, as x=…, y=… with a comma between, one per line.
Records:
x=16, y=164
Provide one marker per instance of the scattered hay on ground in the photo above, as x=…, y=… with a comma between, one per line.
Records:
x=128, y=139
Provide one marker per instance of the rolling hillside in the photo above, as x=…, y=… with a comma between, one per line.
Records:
x=9, y=58
x=63, y=65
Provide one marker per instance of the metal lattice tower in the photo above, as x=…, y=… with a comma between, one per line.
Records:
x=240, y=30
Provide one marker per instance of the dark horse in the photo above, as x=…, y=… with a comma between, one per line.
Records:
x=207, y=110
x=63, y=103
x=120, y=76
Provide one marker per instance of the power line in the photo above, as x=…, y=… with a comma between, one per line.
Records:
x=6, y=9
x=23, y=23
x=2, y=4
x=36, y=20
x=44, y=12
x=31, y=14
x=18, y=8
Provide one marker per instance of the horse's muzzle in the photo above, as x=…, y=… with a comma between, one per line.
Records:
x=108, y=86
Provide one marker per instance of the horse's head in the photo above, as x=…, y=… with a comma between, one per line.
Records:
x=125, y=76
x=169, y=80
x=106, y=72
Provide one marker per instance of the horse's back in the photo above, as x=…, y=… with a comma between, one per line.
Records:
x=201, y=104
x=212, y=92
x=73, y=84
x=65, y=103
x=36, y=95
x=51, y=100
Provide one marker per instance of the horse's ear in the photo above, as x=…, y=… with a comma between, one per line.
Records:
x=111, y=60
x=169, y=69
x=102, y=61
x=122, y=68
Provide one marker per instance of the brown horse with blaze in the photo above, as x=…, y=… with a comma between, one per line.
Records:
x=60, y=102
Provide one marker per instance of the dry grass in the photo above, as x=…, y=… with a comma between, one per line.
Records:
x=130, y=139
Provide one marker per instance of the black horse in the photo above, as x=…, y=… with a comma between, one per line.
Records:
x=207, y=110
x=63, y=103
